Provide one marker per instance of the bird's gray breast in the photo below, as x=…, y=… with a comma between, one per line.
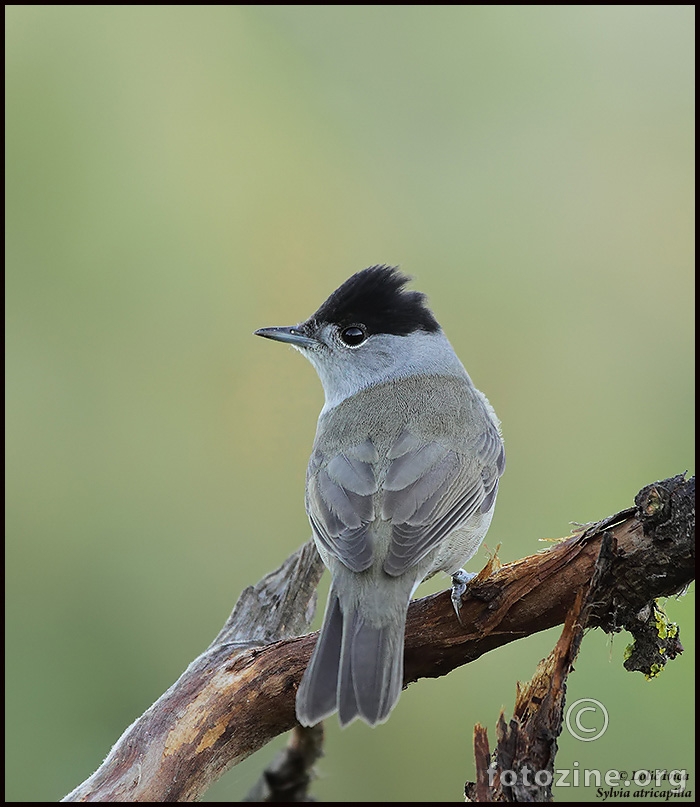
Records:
x=398, y=467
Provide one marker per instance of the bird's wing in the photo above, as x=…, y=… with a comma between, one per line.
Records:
x=431, y=490
x=339, y=503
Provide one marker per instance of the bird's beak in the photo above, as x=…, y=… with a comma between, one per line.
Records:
x=291, y=335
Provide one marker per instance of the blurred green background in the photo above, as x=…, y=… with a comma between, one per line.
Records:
x=178, y=176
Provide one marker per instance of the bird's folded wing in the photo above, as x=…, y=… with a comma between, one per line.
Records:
x=430, y=490
x=340, y=507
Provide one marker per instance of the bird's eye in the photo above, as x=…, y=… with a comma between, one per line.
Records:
x=353, y=335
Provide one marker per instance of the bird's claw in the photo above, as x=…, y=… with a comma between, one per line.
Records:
x=460, y=581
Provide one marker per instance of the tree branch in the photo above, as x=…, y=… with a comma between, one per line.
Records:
x=239, y=694
x=288, y=776
x=527, y=744
x=521, y=768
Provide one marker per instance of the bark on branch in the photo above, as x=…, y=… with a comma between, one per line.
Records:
x=239, y=694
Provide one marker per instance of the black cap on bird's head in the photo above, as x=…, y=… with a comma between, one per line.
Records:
x=370, y=330
x=376, y=298
x=372, y=301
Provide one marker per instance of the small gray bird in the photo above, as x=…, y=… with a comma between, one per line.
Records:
x=401, y=483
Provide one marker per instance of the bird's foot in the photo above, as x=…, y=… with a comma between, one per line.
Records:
x=460, y=581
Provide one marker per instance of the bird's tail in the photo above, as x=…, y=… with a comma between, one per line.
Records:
x=356, y=668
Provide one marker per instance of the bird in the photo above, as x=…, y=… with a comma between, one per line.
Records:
x=401, y=482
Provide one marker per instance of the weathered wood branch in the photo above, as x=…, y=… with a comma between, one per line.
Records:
x=197, y=729
x=288, y=776
x=239, y=694
x=527, y=744
x=521, y=767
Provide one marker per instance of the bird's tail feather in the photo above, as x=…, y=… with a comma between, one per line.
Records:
x=317, y=696
x=371, y=670
x=356, y=668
